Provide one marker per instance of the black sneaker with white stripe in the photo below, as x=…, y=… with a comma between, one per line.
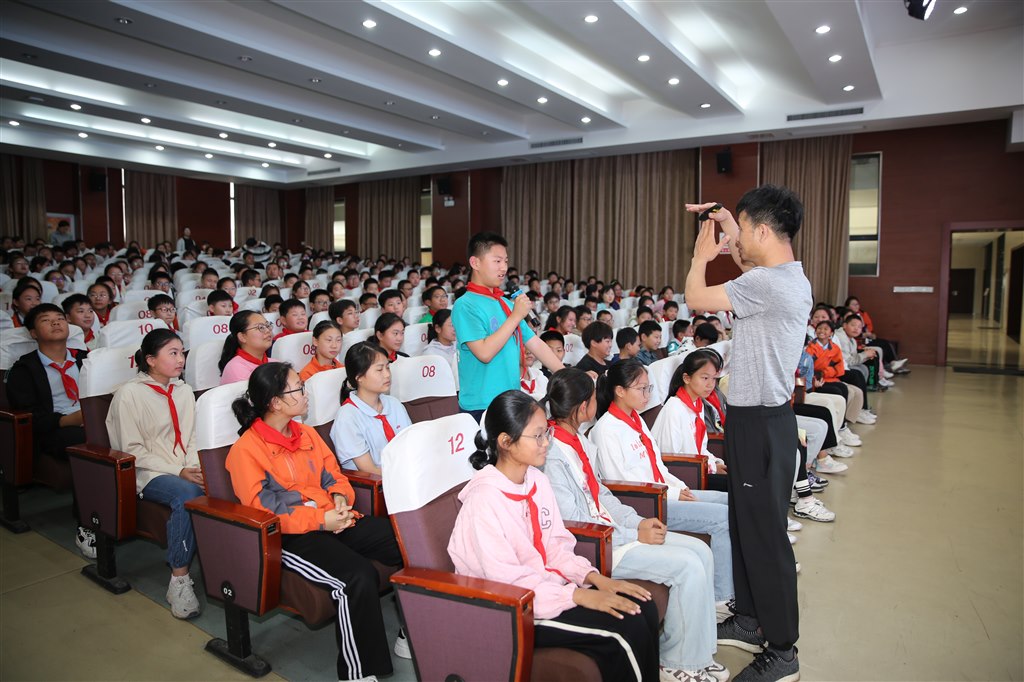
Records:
x=771, y=666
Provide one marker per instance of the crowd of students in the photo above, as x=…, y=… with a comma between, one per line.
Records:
x=550, y=435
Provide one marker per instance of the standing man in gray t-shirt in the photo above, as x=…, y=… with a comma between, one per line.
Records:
x=771, y=301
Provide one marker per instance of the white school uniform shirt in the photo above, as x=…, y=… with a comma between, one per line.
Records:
x=435, y=347
x=621, y=454
x=540, y=384
x=675, y=431
x=357, y=430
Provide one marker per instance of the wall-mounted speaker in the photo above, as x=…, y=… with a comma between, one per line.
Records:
x=444, y=186
x=97, y=182
x=723, y=161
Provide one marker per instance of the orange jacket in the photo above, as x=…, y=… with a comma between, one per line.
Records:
x=869, y=326
x=267, y=476
x=828, y=361
x=313, y=367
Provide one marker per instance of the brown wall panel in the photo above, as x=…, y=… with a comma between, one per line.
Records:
x=205, y=207
x=93, y=217
x=61, y=185
x=115, y=207
x=726, y=188
x=451, y=224
x=293, y=213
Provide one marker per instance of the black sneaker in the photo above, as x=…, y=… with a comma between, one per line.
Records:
x=730, y=633
x=769, y=666
x=817, y=484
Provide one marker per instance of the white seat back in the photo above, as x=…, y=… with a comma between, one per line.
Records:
x=105, y=369
x=666, y=334
x=413, y=313
x=184, y=298
x=324, y=392
x=253, y=304
x=574, y=349
x=322, y=316
x=275, y=320
x=426, y=376
x=427, y=459
x=415, y=339
x=193, y=311
x=628, y=302
x=201, y=371
x=133, y=295
x=620, y=317
x=245, y=293
x=16, y=342
x=660, y=374
x=202, y=329
x=351, y=339
x=131, y=310
x=50, y=292
x=368, y=318
x=127, y=333
x=216, y=426
x=294, y=348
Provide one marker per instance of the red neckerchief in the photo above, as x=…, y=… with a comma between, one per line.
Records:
x=174, y=414
x=538, y=540
x=16, y=319
x=633, y=421
x=89, y=336
x=70, y=385
x=392, y=355
x=389, y=432
x=573, y=441
x=249, y=358
x=527, y=386
x=234, y=307
x=285, y=332
x=499, y=296
x=104, y=318
x=697, y=407
x=717, y=403
x=275, y=437
x=174, y=324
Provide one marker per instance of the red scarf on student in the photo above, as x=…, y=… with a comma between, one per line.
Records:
x=389, y=432
x=104, y=318
x=499, y=296
x=697, y=407
x=89, y=335
x=250, y=358
x=573, y=441
x=70, y=385
x=274, y=437
x=16, y=320
x=633, y=421
x=528, y=386
x=538, y=540
x=392, y=355
x=717, y=404
x=174, y=414
x=285, y=332
x=234, y=307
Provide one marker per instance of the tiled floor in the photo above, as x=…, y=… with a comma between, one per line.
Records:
x=972, y=341
x=919, y=578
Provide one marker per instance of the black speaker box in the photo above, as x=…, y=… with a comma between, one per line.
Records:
x=444, y=186
x=723, y=161
x=97, y=182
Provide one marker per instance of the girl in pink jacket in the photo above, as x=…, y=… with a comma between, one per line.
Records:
x=510, y=530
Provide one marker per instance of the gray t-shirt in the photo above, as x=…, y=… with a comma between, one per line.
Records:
x=771, y=306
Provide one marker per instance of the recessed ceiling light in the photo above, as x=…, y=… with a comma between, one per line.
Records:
x=673, y=81
x=823, y=29
x=434, y=52
x=159, y=147
x=848, y=88
x=369, y=23
x=76, y=107
x=124, y=20
x=502, y=82
x=209, y=156
x=434, y=117
x=542, y=100
x=145, y=120
x=245, y=58
x=960, y=10
x=585, y=119
x=223, y=136
x=265, y=165
x=344, y=132
x=835, y=58
x=29, y=56
x=221, y=102
x=590, y=18
x=83, y=135
x=14, y=123
x=328, y=155
x=706, y=105
x=644, y=58
x=485, y=133
x=296, y=120
x=314, y=80
x=399, y=144
x=151, y=85
x=389, y=103
x=271, y=144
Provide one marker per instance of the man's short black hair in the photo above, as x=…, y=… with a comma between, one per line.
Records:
x=707, y=332
x=626, y=336
x=670, y=304
x=367, y=297
x=218, y=296
x=73, y=300
x=648, y=327
x=596, y=331
x=553, y=335
x=160, y=299
x=777, y=207
x=481, y=242
x=388, y=294
x=289, y=304
x=30, y=319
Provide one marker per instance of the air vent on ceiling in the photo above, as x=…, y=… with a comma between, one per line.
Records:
x=336, y=169
x=35, y=98
x=761, y=136
x=556, y=143
x=825, y=114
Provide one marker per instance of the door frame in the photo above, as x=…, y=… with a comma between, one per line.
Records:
x=945, y=255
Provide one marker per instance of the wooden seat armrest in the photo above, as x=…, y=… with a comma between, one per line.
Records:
x=232, y=512
x=12, y=415
x=373, y=483
x=596, y=534
x=658, y=492
x=465, y=587
x=700, y=461
x=16, y=456
x=98, y=453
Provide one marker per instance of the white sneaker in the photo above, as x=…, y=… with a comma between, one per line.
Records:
x=882, y=381
x=793, y=525
x=182, y=597
x=798, y=568
x=886, y=374
x=841, y=451
x=723, y=610
x=827, y=465
x=718, y=671
x=679, y=675
x=371, y=678
x=848, y=437
x=85, y=541
x=402, y=649
x=812, y=508
x=897, y=364
x=866, y=417
x=792, y=538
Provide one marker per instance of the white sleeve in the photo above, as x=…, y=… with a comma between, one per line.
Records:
x=348, y=439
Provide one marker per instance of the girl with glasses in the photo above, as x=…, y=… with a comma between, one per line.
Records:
x=245, y=348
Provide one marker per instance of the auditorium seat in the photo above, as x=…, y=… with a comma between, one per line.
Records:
x=425, y=385
x=296, y=349
x=574, y=349
x=131, y=310
x=127, y=333
x=352, y=338
x=201, y=371
x=415, y=339
x=368, y=318
x=200, y=330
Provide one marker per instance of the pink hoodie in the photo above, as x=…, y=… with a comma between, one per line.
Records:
x=493, y=539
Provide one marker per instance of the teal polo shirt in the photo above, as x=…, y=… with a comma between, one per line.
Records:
x=476, y=317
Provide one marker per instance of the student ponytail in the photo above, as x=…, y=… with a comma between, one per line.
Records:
x=623, y=374
x=358, y=361
x=567, y=391
x=440, y=317
x=151, y=345
x=507, y=414
x=239, y=323
x=693, y=362
x=267, y=382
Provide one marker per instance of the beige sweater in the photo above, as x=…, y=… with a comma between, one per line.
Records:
x=139, y=423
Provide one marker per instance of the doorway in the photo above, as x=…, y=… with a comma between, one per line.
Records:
x=961, y=291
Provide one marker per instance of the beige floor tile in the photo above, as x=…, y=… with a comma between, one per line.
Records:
x=28, y=558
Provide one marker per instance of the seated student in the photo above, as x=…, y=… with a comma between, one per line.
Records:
x=867, y=361
x=556, y=342
x=704, y=335
x=552, y=301
x=608, y=301
x=366, y=301
x=405, y=288
x=626, y=451
x=628, y=342
x=293, y=318
x=590, y=303
x=597, y=337
x=336, y=289
x=218, y=303
x=300, y=290
x=345, y=314
x=326, y=346
x=161, y=281
x=272, y=304
x=584, y=316
x=532, y=381
x=643, y=314
x=26, y=296
x=371, y=286
x=830, y=368
x=319, y=301
x=888, y=348
x=79, y=312
x=509, y=529
x=641, y=548
x=290, y=280
x=385, y=279
x=441, y=336
x=436, y=300
x=389, y=333
x=56, y=277
x=153, y=417
x=162, y=307
x=368, y=418
x=45, y=383
x=245, y=348
x=650, y=342
x=250, y=278
x=605, y=316
x=284, y=467
x=670, y=311
x=682, y=338
x=209, y=279
x=563, y=320
x=681, y=426
x=664, y=296
x=269, y=290
x=391, y=301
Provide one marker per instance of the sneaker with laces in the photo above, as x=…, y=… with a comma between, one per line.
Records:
x=813, y=509
x=680, y=675
x=731, y=633
x=182, y=597
x=827, y=465
x=848, y=437
x=771, y=666
x=866, y=417
x=402, y=649
x=897, y=365
x=817, y=483
x=885, y=383
x=85, y=541
x=723, y=609
x=886, y=374
x=792, y=525
x=841, y=451
x=718, y=672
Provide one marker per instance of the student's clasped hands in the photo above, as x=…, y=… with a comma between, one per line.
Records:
x=608, y=596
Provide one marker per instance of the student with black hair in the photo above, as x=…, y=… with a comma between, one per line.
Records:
x=391, y=301
x=272, y=304
x=669, y=311
x=644, y=314
x=628, y=342
x=682, y=337
x=326, y=346
x=563, y=320
x=153, y=417
x=584, y=316
x=79, y=312
x=162, y=308
x=209, y=279
x=245, y=348
x=294, y=319
x=27, y=295
x=319, y=301
x=509, y=529
x=597, y=337
x=704, y=335
x=219, y=303
x=441, y=338
x=367, y=300
x=436, y=300
x=389, y=334
x=650, y=342
x=368, y=418
x=270, y=290
x=228, y=284
x=641, y=548
x=101, y=297
x=300, y=290
x=345, y=314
